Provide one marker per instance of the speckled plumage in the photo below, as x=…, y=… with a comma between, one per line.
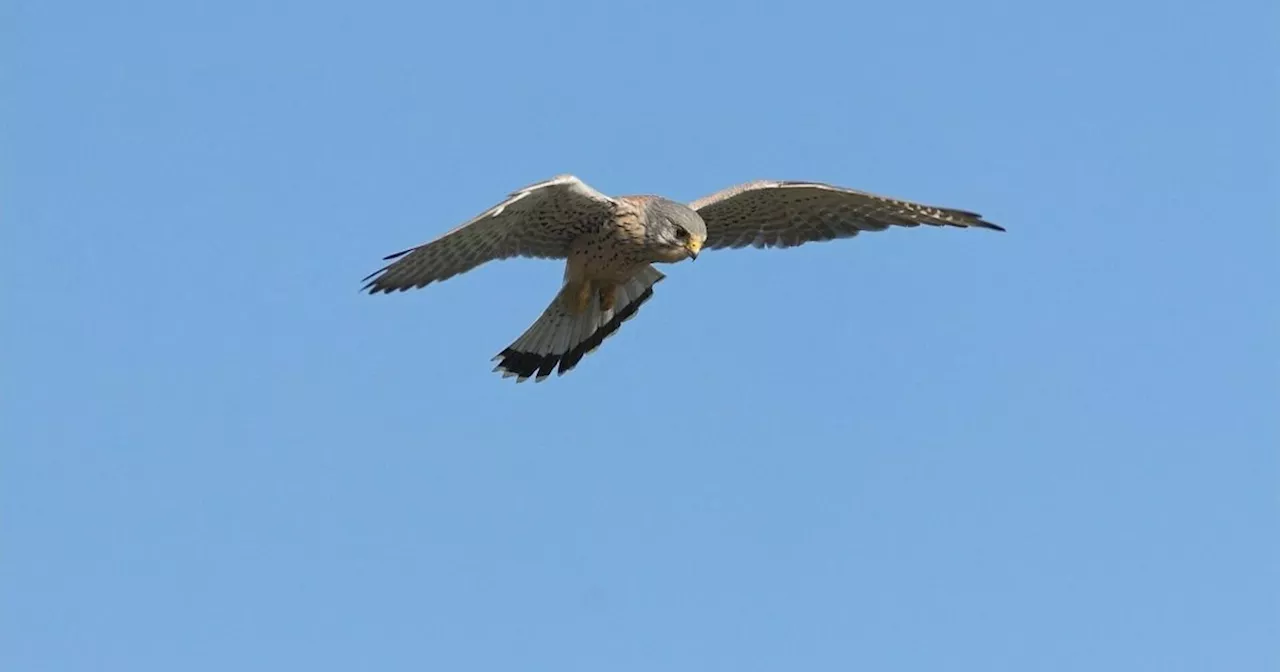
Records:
x=609, y=245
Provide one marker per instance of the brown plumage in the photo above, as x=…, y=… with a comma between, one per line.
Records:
x=609, y=245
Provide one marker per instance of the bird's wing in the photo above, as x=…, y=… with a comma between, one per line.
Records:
x=770, y=213
x=540, y=220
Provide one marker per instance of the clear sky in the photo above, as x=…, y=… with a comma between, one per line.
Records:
x=1049, y=449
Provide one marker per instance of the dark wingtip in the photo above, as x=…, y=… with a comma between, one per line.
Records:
x=371, y=281
x=397, y=255
x=967, y=218
x=373, y=287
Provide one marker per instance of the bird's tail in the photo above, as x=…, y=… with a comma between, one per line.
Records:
x=560, y=337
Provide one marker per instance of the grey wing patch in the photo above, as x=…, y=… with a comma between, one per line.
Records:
x=540, y=221
x=769, y=213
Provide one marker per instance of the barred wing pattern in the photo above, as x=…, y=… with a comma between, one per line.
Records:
x=770, y=213
x=540, y=220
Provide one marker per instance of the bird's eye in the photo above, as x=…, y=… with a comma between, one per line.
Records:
x=681, y=234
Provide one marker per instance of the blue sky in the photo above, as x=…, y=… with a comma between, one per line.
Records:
x=1050, y=449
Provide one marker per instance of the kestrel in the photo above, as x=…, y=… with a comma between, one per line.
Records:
x=610, y=244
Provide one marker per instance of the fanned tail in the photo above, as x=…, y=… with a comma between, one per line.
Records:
x=559, y=339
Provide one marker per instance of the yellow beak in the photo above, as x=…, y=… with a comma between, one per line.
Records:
x=694, y=246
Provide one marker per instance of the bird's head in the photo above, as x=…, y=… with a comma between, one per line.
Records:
x=676, y=231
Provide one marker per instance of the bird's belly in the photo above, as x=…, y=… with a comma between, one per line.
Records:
x=603, y=258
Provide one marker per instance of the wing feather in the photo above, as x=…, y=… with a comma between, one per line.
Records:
x=540, y=221
x=769, y=213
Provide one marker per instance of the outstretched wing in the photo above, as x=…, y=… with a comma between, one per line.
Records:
x=540, y=220
x=770, y=213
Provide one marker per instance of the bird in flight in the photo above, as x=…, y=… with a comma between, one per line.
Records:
x=610, y=244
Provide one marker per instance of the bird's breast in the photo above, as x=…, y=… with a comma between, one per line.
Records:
x=613, y=252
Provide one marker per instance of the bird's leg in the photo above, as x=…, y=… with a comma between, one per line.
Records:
x=577, y=296
x=608, y=295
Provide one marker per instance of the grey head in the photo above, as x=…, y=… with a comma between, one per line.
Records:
x=675, y=231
